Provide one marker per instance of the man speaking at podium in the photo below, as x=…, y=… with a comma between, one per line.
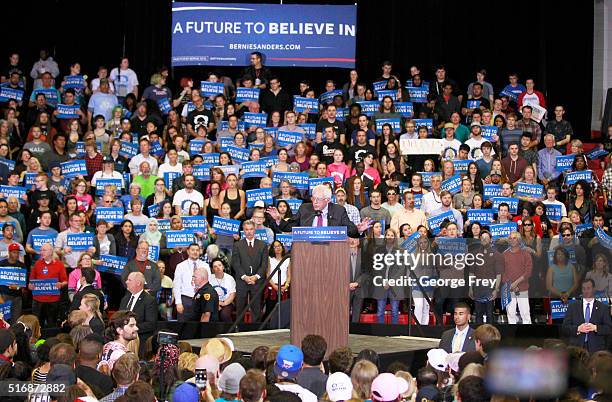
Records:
x=320, y=213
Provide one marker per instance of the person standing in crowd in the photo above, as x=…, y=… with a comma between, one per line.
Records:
x=184, y=288
x=142, y=304
x=121, y=329
x=205, y=302
x=461, y=338
x=12, y=293
x=517, y=271
x=146, y=267
x=47, y=268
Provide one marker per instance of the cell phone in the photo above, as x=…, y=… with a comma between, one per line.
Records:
x=200, y=378
x=167, y=338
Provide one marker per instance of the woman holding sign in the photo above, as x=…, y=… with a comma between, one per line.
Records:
x=580, y=200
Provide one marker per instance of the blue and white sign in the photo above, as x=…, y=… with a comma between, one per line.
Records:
x=501, y=230
x=5, y=310
x=418, y=94
x=29, y=179
x=247, y=94
x=395, y=125
x=387, y=92
x=315, y=181
x=13, y=191
x=379, y=85
x=156, y=148
x=101, y=183
x=112, y=264
x=483, y=216
x=128, y=149
x=319, y=234
x=169, y=178
x=229, y=169
x=286, y=240
x=10, y=165
x=311, y=130
x=202, y=171
x=604, y=238
x=427, y=177
x=328, y=97
x=238, y=154
x=271, y=131
x=80, y=241
x=259, y=194
x=196, y=223
x=294, y=204
x=487, y=132
x=451, y=245
x=51, y=95
x=596, y=153
x=557, y=309
x=461, y=165
x=67, y=111
x=581, y=228
x=492, y=190
x=434, y=222
x=302, y=104
x=7, y=93
x=253, y=169
x=45, y=287
x=153, y=253
x=511, y=201
x=153, y=210
x=255, y=119
x=410, y=244
x=74, y=168
x=164, y=105
x=452, y=184
x=225, y=226
x=13, y=276
x=406, y=109
x=110, y=214
x=529, y=190
x=554, y=212
x=369, y=107
x=424, y=122
x=288, y=138
x=564, y=162
x=472, y=104
x=74, y=81
x=139, y=229
x=298, y=180
x=418, y=201
x=163, y=225
x=179, y=238
x=575, y=177
x=212, y=157
x=224, y=125
x=196, y=146
x=208, y=88
x=39, y=240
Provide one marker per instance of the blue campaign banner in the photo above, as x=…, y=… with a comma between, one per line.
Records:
x=271, y=131
x=139, y=229
x=558, y=309
x=505, y=295
x=74, y=81
x=564, y=162
x=101, y=183
x=10, y=165
x=71, y=169
x=164, y=105
x=379, y=85
x=80, y=149
x=208, y=88
x=45, y=287
x=418, y=201
x=418, y=94
x=153, y=210
x=604, y=238
x=311, y=130
x=5, y=310
x=112, y=264
x=202, y=171
x=483, y=216
x=80, y=241
x=461, y=165
x=179, y=238
x=7, y=93
x=410, y=244
x=596, y=153
x=269, y=160
x=128, y=149
x=581, y=228
x=395, y=124
x=313, y=182
x=156, y=148
x=288, y=138
x=427, y=177
x=298, y=180
x=387, y=92
x=238, y=154
x=487, y=132
x=328, y=97
x=253, y=169
x=51, y=94
x=211, y=158
x=247, y=94
x=196, y=223
x=318, y=234
x=29, y=179
x=153, y=253
x=195, y=146
x=225, y=226
x=169, y=178
x=434, y=222
x=260, y=234
x=452, y=184
x=369, y=107
x=13, y=276
x=492, y=190
x=288, y=35
x=554, y=212
x=110, y=214
x=571, y=252
x=286, y=240
x=163, y=225
x=424, y=122
x=229, y=169
x=406, y=109
x=451, y=245
x=472, y=104
x=500, y=230
x=529, y=190
x=255, y=119
x=302, y=104
x=15, y=191
x=259, y=194
x=68, y=111
x=39, y=240
x=575, y=177
x=511, y=201
x=294, y=204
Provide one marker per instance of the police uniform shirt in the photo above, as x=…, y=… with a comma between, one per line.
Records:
x=206, y=300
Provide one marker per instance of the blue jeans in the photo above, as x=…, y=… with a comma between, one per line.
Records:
x=380, y=308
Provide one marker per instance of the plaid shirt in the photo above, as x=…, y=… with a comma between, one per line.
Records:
x=606, y=182
x=93, y=164
x=353, y=213
x=530, y=127
x=114, y=395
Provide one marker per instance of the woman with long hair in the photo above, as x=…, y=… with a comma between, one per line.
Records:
x=600, y=274
x=216, y=175
x=473, y=174
x=121, y=161
x=562, y=280
x=547, y=227
x=581, y=201
x=85, y=262
x=284, y=209
x=80, y=191
x=90, y=304
x=165, y=210
x=462, y=201
x=355, y=193
x=234, y=196
x=283, y=162
x=370, y=168
x=301, y=156
x=160, y=194
x=104, y=242
x=125, y=240
x=338, y=170
x=394, y=293
x=213, y=202
x=276, y=253
x=269, y=148
x=532, y=242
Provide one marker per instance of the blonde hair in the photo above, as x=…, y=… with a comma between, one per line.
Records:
x=156, y=79
x=362, y=375
x=187, y=361
x=31, y=321
x=93, y=302
x=76, y=317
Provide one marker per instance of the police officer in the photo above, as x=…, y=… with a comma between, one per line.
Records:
x=206, y=299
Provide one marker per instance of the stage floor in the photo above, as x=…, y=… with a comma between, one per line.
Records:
x=245, y=342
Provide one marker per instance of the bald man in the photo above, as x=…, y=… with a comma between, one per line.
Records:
x=206, y=299
x=142, y=304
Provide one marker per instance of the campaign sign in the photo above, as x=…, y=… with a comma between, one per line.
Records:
x=379, y=85
x=112, y=264
x=271, y=131
x=224, y=125
x=558, y=309
x=328, y=97
x=294, y=204
x=12, y=276
x=529, y=190
x=487, y=132
x=196, y=223
x=8, y=163
x=74, y=81
x=153, y=210
x=319, y=234
x=473, y=104
x=410, y=244
x=225, y=142
x=139, y=229
x=298, y=180
x=406, y=109
x=418, y=201
x=418, y=94
x=286, y=240
x=571, y=252
x=369, y=107
x=452, y=184
x=51, y=95
x=101, y=183
x=164, y=105
x=604, y=238
x=461, y=165
x=169, y=178
x=202, y=171
x=311, y=130
x=7, y=93
x=313, y=182
x=29, y=179
x=14, y=191
x=208, y=88
x=302, y=104
x=5, y=310
x=196, y=146
x=554, y=212
x=288, y=138
x=259, y=194
x=564, y=162
x=210, y=158
x=238, y=154
x=511, y=201
x=260, y=234
x=179, y=238
x=387, y=92
x=427, y=177
x=247, y=94
x=395, y=125
x=163, y=225
x=483, y=216
x=74, y=168
x=229, y=169
x=225, y=226
x=45, y=287
x=39, y=240
x=80, y=149
x=596, y=153
x=581, y=228
x=451, y=245
x=80, y=241
x=269, y=160
x=434, y=222
x=492, y=190
x=253, y=169
x=424, y=122
x=128, y=149
x=156, y=148
x=574, y=177
x=255, y=119
x=153, y=253
x=500, y=230
x=68, y=111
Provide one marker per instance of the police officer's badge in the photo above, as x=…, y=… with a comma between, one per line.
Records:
x=207, y=296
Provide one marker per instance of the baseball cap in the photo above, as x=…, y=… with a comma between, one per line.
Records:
x=388, y=387
x=229, y=381
x=453, y=360
x=495, y=172
x=218, y=349
x=475, y=123
x=62, y=373
x=339, y=387
x=428, y=393
x=259, y=204
x=54, y=165
x=186, y=392
x=6, y=339
x=340, y=190
x=449, y=125
x=43, y=196
x=108, y=159
x=288, y=361
x=437, y=359
x=14, y=247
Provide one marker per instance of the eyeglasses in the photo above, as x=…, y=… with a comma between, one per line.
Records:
x=528, y=224
x=391, y=193
x=567, y=235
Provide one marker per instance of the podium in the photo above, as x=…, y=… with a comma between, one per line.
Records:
x=320, y=285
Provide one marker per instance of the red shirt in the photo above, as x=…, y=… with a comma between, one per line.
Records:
x=53, y=270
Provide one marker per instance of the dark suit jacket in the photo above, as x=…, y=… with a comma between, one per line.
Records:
x=600, y=316
x=446, y=342
x=336, y=216
x=146, y=313
x=358, y=274
x=76, y=300
x=245, y=264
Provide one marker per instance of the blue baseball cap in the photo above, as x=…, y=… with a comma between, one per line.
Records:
x=288, y=361
x=186, y=392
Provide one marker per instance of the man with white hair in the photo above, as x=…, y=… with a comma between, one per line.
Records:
x=321, y=212
x=146, y=179
x=206, y=299
x=140, y=303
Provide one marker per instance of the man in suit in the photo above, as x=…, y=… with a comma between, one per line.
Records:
x=88, y=276
x=587, y=322
x=321, y=212
x=141, y=303
x=250, y=264
x=460, y=338
x=358, y=280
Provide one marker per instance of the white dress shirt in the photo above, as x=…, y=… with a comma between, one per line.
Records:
x=183, y=278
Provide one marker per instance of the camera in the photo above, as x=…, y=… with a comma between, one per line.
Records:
x=167, y=338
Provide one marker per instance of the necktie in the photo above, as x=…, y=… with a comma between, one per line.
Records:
x=129, y=305
x=587, y=318
x=251, y=249
x=457, y=342
x=320, y=220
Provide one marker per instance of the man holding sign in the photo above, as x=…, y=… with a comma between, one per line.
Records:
x=12, y=292
x=46, y=306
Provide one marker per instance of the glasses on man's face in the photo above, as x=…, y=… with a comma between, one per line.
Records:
x=318, y=199
x=391, y=194
x=567, y=235
x=528, y=224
